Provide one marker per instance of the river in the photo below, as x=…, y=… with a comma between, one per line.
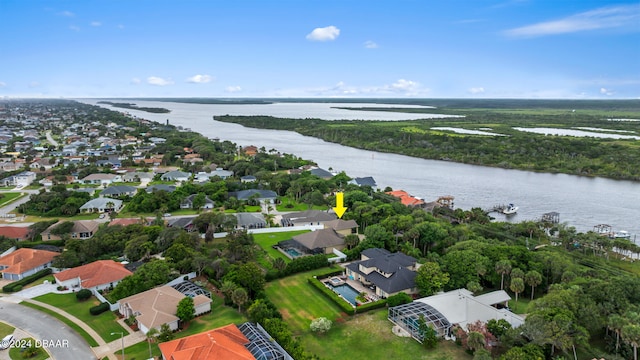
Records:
x=581, y=201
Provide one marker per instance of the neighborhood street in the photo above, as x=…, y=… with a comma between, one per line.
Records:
x=46, y=328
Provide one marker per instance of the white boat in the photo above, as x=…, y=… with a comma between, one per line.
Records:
x=622, y=234
x=510, y=209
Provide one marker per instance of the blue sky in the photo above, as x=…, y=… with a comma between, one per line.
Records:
x=346, y=48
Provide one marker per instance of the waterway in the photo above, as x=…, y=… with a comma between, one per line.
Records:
x=581, y=201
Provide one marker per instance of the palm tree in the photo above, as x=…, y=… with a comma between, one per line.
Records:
x=151, y=335
x=631, y=334
x=279, y=264
x=503, y=267
x=517, y=286
x=475, y=341
x=615, y=323
x=533, y=279
x=240, y=297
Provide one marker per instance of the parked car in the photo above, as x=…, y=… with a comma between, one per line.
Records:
x=166, y=214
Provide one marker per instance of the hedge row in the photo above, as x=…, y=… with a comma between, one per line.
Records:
x=17, y=285
x=298, y=265
x=99, y=309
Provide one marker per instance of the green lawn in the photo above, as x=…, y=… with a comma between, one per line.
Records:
x=41, y=281
x=16, y=353
x=288, y=204
x=66, y=321
x=369, y=335
x=299, y=302
x=266, y=241
x=9, y=197
x=104, y=324
x=220, y=315
x=5, y=329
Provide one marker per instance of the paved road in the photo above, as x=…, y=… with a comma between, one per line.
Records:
x=50, y=139
x=45, y=327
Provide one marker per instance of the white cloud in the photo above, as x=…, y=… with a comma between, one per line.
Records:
x=404, y=85
x=67, y=13
x=136, y=81
x=3, y=84
x=96, y=23
x=158, y=81
x=34, y=84
x=605, y=91
x=370, y=45
x=233, y=89
x=601, y=18
x=328, y=33
x=74, y=28
x=200, y=79
x=476, y=90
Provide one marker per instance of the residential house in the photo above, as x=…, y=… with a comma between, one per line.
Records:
x=456, y=307
x=406, y=199
x=137, y=176
x=56, y=179
x=46, y=163
x=185, y=223
x=98, y=275
x=161, y=187
x=250, y=220
x=101, y=179
x=318, y=242
x=18, y=233
x=364, y=181
x=24, y=178
x=176, y=175
x=101, y=205
x=321, y=173
x=309, y=217
x=187, y=203
x=263, y=196
x=118, y=191
x=389, y=273
x=203, y=177
x=248, y=179
x=24, y=262
x=82, y=229
x=247, y=341
x=250, y=150
x=155, y=307
x=342, y=227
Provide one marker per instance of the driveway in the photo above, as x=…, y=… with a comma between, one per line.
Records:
x=44, y=327
x=36, y=291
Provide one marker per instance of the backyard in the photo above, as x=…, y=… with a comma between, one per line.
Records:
x=104, y=324
x=266, y=241
x=351, y=337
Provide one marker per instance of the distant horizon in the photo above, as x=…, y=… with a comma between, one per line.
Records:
x=306, y=98
x=468, y=49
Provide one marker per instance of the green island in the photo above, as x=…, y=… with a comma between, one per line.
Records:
x=510, y=148
x=134, y=107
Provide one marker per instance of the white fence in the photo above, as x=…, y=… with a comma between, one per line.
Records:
x=275, y=230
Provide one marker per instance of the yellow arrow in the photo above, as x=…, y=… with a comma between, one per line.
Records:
x=339, y=209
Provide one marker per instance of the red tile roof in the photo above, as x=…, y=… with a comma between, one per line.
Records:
x=14, y=232
x=25, y=259
x=226, y=343
x=96, y=273
x=405, y=198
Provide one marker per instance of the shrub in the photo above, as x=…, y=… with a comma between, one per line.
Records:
x=399, y=299
x=83, y=294
x=306, y=263
x=99, y=309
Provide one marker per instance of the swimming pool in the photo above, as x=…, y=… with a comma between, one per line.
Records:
x=293, y=252
x=347, y=292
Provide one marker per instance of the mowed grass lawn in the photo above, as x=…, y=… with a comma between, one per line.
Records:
x=104, y=324
x=299, y=302
x=5, y=329
x=266, y=241
x=361, y=336
x=220, y=315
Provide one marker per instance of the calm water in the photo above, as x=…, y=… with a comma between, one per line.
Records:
x=582, y=202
